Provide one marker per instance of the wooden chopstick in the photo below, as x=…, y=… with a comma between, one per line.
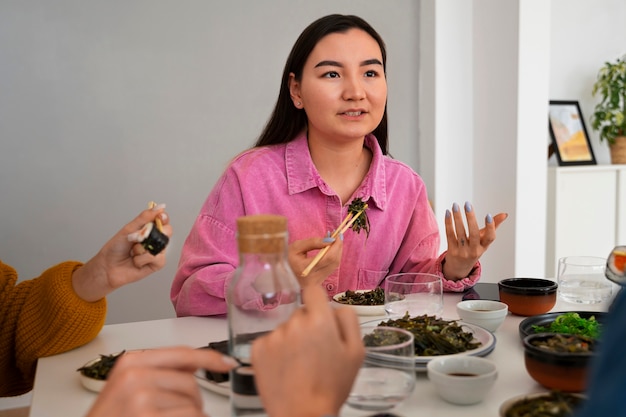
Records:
x=157, y=221
x=345, y=225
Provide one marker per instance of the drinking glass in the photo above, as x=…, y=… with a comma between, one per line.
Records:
x=414, y=293
x=387, y=376
x=582, y=280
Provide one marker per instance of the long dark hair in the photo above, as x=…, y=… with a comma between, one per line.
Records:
x=286, y=121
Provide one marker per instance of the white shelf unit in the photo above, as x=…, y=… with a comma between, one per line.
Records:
x=586, y=212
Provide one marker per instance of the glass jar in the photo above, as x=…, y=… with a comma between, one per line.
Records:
x=262, y=294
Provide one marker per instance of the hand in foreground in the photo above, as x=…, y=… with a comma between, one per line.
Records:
x=298, y=259
x=121, y=260
x=306, y=367
x=157, y=382
x=465, y=248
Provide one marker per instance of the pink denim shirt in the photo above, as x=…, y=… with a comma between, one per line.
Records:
x=282, y=179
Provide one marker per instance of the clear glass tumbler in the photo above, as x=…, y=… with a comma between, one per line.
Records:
x=387, y=376
x=413, y=293
x=582, y=280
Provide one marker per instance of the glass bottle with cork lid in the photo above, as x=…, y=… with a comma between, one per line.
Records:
x=262, y=294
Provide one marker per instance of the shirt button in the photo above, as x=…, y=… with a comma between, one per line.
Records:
x=330, y=287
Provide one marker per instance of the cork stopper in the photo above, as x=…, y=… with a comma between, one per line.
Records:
x=262, y=233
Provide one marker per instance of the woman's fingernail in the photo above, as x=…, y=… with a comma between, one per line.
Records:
x=158, y=207
x=230, y=361
x=163, y=217
x=468, y=207
x=489, y=219
x=455, y=207
x=341, y=236
x=328, y=239
x=134, y=237
x=448, y=214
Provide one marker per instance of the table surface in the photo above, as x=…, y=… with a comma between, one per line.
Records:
x=59, y=393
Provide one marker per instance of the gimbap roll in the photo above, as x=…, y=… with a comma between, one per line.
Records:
x=616, y=265
x=152, y=239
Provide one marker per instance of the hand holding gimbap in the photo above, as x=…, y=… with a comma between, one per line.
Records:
x=151, y=236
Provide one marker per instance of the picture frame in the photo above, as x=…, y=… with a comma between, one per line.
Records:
x=568, y=133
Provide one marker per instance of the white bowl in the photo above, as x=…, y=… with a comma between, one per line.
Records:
x=361, y=310
x=462, y=379
x=92, y=384
x=487, y=314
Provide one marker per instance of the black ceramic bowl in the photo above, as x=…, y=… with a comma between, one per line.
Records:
x=528, y=296
x=560, y=370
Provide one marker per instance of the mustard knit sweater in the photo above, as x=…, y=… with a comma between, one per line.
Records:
x=41, y=317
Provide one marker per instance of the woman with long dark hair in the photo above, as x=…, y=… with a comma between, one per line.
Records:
x=324, y=146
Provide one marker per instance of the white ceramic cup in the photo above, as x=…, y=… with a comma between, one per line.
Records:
x=462, y=379
x=487, y=314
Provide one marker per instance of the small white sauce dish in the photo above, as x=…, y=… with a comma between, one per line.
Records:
x=487, y=314
x=462, y=380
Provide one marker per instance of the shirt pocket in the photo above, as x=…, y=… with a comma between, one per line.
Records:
x=368, y=279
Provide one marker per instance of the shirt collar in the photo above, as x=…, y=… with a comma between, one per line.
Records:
x=302, y=174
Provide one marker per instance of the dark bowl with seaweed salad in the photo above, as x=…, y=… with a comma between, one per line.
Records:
x=586, y=323
x=559, y=361
x=543, y=404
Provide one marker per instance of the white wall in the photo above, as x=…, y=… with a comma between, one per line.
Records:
x=105, y=106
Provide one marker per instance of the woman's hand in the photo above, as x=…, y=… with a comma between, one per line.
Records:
x=157, y=382
x=466, y=247
x=299, y=259
x=122, y=259
x=306, y=367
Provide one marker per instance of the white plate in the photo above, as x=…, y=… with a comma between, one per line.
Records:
x=485, y=337
x=93, y=384
x=361, y=310
x=221, y=388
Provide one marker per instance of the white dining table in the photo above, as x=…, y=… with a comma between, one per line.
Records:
x=58, y=391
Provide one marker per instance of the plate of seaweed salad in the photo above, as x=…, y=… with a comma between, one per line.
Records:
x=586, y=323
x=364, y=302
x=435, y=337
x=94, y=374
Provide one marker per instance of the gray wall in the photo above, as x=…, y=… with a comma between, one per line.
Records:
x=105, y=106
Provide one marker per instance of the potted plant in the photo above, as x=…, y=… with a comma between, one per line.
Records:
x=608, y=116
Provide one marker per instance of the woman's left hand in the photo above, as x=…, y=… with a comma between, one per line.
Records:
x=466, y=247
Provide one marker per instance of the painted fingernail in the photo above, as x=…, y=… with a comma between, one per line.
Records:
x=448, y=214
x=468, y=207
x=328, y=239
x=230, y=361
x=455, y=207
x=134, y=237
x=489, y=219
x=158, y=207
x=341, y=236
x=163, y=217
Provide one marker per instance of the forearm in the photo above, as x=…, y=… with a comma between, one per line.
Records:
x=90, y=281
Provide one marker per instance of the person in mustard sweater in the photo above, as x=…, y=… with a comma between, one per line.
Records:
x=66, y=307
